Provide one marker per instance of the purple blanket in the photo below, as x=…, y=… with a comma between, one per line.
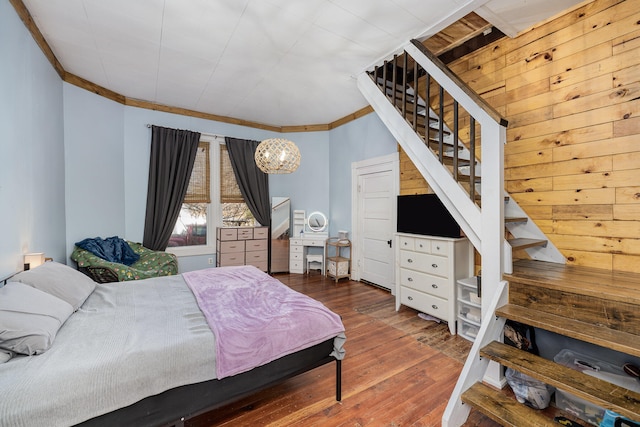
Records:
x=256, y=318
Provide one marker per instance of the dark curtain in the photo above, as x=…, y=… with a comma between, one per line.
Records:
x=253, y=183
x=173, y=152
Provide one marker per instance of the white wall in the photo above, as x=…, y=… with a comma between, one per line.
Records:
x=32, y=209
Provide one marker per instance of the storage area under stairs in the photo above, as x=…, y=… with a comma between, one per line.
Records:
x=587, y=304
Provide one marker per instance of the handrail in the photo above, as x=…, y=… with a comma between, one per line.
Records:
x=484, y=105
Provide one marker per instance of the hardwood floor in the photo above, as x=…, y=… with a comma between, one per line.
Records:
x=399, y=369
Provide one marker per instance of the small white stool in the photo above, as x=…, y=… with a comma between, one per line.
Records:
x=315, y=259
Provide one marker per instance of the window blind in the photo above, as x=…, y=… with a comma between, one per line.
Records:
x=229, y=190
x=199, y=190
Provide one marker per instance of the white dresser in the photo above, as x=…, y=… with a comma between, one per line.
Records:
x=427, y=271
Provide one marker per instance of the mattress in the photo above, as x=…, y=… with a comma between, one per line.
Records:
x=129, y=340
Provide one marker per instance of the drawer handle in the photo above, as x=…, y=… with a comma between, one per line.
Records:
x=409, y=260
x=435, y=307
x=409, y=279
x=438, y=248
x=434, y=286
x=434, y=265
x=410, y=298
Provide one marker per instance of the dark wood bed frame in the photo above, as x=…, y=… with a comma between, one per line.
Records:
x=174, y=406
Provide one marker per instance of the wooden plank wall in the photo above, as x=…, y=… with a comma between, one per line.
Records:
x=570, y=89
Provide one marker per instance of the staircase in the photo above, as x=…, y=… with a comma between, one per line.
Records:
x=568, y=301
x=445, y=128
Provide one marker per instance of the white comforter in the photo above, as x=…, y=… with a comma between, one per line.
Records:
x=128, y=341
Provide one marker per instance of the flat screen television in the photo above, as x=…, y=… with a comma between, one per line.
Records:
x=425, y=214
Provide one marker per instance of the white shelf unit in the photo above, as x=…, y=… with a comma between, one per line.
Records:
x=299, y=219
x=469, y=308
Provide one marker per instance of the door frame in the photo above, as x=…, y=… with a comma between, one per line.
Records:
x=377, y=164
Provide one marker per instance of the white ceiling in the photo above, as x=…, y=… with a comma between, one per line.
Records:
x=277, y=62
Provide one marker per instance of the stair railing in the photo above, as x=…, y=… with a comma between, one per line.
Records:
x=402, y=95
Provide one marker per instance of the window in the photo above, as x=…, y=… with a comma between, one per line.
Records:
x=213, y=199
x=234, y=209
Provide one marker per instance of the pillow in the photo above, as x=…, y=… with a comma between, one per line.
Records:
x=5, y=355
x=59, y=280
x=29, y=318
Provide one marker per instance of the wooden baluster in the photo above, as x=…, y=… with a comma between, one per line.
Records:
x=427, y=114
x=415, y=96
x=394, y=82
x=384, y=78
x=441, y=125
x=456, y=129
x=472, y=157
x=404, y=85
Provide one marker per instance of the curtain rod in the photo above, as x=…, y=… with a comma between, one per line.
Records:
x=202, y=133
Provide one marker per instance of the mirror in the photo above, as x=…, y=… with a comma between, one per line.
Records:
x=317, y=222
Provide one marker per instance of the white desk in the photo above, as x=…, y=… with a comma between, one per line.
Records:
x=298, y=249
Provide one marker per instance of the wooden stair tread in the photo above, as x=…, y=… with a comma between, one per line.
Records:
x=602, y=336
x=620, y=286
x=526, y=243
x=467, y=178
x=516, y=219
x=504, y=409
x=592, y=389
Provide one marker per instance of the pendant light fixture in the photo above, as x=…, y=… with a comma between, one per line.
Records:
x=277, y=155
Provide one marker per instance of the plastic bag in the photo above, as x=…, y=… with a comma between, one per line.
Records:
x=529, y=391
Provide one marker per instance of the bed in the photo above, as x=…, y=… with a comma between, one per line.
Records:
x=145, y=352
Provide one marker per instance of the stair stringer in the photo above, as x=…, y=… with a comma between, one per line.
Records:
x=473, y=371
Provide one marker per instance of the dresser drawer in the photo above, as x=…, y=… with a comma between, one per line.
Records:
x=256, y=245
x=314, y=242
x=295, y=242
x=230, y=246
x=226, y=260
x=296, y=266
x=255, y=256
x=406, y=243
x=426, y=303
x=227, y=233
x=260, y=232
x=245, y=233
x=439, y=248
x=434, y=285
x=296, y=249
x=425, y=263
x=296, y=256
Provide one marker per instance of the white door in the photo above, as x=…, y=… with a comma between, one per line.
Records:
x=376, y=188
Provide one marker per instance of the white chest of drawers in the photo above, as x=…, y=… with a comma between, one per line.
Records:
x=426, y=274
